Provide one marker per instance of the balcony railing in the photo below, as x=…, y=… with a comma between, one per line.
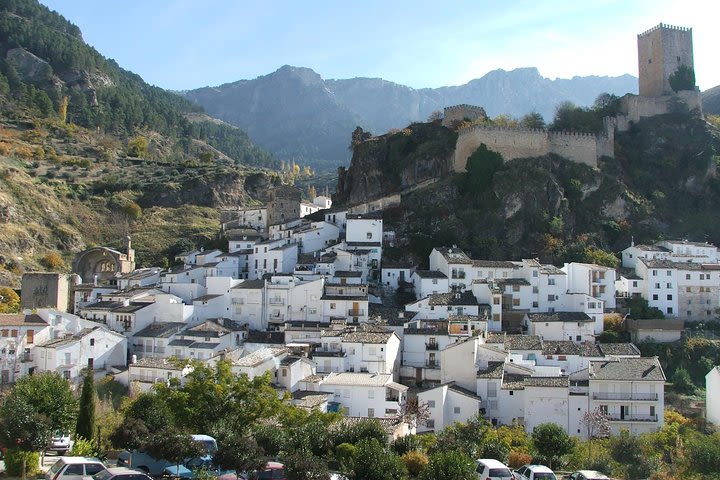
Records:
x=637, y=396
x=432, y=363
x=616, y=417
x=431, y=346
x=356, y=313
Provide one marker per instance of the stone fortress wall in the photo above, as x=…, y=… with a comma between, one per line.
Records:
x=514, y=143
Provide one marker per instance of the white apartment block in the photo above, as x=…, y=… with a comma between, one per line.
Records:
x=345, y=302
x=429, y=282
x=394, y=276
x=594, y=280
x=712, y=396
x=574, y=326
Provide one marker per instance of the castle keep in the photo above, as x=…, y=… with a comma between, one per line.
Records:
x=661, y=50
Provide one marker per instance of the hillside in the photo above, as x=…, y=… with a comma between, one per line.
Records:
x=711, y=100
x=663, y=184
x=90, y=153
x=295, y=113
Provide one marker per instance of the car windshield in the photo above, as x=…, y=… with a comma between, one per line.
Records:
x=102, y=475
x=544, y=476
x=499, y=473
x=56, y=467
x=209, y=446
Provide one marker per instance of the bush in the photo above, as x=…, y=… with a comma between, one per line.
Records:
x=518, y=459
x=84, y=448
x=52, y=261
x=682, y=381
x=14, y=461
x=415, y=462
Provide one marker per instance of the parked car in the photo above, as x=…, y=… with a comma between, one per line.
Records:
x=157, y=467
x=60, y=443
x=272, y=471
x=120, y=473
x=534, y=472
x=490, y=469
x=587, y=475
x=74, y=468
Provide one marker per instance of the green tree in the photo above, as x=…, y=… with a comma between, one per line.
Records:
x=173, y=446
x=86, y=417
x=480, y=169
x=130, y=434
x=9, y=300
x=682, y=381
x=451, y=465
x=138, y=147
x=532, y=121
x=49, y=395
x=415, y=462
x=551, y=442
x=304, y=466
x=375, y=462
x=240, y=453
x=23, y=427
x=704, y=454
x=683, y=78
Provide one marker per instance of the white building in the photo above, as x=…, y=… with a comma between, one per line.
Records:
x=95, y=348
x=448, y=403
x=594, y=280
x=630, y=392
x=712, y=396
x=368, y=395
x=345, y=301
x=429, y=282
x=394, y=275
x=146, y=372
x=575, y=326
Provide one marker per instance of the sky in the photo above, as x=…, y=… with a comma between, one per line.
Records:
x=185, y=44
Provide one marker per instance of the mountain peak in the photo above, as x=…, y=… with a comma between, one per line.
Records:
x=307, y=75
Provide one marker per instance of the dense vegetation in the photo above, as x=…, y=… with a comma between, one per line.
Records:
x=252, y=424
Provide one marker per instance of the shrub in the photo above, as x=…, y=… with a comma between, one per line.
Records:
x=52, y=261
x=518, y=459
x=415, y=462
x=84, y=448
x=682, y=381
x=14, y=461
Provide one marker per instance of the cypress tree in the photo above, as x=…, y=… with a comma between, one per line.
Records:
x=86, y=419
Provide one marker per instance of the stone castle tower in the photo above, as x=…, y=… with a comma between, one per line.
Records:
x=661, y=50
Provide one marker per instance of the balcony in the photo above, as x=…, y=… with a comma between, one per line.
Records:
x=431, y=346
x=636, y=396
x=356, y=313
x=277, y=301
x=616, y=417
x=432, y=363
x=26, y=357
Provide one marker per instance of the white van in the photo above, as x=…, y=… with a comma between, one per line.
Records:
x=491, y=469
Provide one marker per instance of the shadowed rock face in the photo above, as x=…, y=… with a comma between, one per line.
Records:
x=298, y=115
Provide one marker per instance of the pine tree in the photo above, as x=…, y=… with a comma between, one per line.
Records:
x=86, y=418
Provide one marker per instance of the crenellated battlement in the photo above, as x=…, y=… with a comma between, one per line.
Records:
x=458, y=113
x=498, y=128
x=665, y=26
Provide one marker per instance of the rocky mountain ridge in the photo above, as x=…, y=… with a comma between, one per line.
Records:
x=295, y=113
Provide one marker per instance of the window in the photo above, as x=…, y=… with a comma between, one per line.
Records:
x=655, y=297
x=635, y=283
x=516, y=302
x=431, y=403
x=74, y=469
x=657, y=285
x=13, y=333
x=687, y=276
x=511, y=393
x=654, y=273
x=456, y=410
x=669, y=273
x=430, y=423
x=30, y=337
x=535, y=273
x=669, y=297
x=669, y=285
x=578, y=338
x=92, y=342
x=434, y=281
x=93, y=468
x=669, y=310
x=371, y=394
x=5, y=333
x=604, y=409
x=535, y=304
x=332, y=306
x=551, y=281
x=516, y=288
x=496, y=301
x=688, y=289
x=284, y=372
x=371, y=413
x=551, y=298
x=708, y=312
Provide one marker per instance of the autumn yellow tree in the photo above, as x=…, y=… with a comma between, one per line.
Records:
x=62, y=110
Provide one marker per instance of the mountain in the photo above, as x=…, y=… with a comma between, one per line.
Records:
x=90, y=153
x=711, y=100
x=275, y=108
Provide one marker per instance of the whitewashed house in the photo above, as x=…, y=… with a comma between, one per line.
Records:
x=630, y=392
x=575, y=326
x=292, y=370
x=258, y=362
x=429, y=282
x=595, y=280
x=146, y=372
x=153, y=341
x=712, y=396
x=345, y=301
x=95, y=348
x=447, y=404
x=19, y=333
x=395, y=274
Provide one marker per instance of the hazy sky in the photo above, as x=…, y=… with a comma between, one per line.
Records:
x=183, y=44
